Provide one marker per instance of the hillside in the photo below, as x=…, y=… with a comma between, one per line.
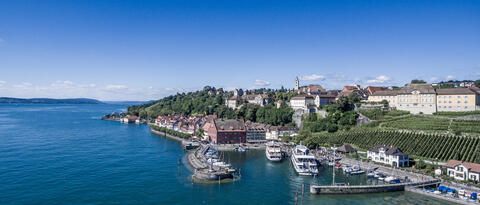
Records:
x=49, y=101
x=211, y=101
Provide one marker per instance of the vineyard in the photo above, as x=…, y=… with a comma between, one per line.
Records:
x=433, y=146
x=433, y=124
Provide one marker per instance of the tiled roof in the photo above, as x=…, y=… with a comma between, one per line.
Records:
x=385, y=93
x=474, y=167
x=455, y=91
x=230, y=125
x=302, y=97
x=422, y=88
x=389, y=150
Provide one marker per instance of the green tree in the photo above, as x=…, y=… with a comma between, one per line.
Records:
x=418, y=81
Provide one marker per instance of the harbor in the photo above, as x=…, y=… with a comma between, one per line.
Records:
x=209, y=166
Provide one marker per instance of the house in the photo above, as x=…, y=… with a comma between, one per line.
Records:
x=223, y=131
x=302, y=102
x=369, y=90
x=456, y=99
x=238, y=92
x=349, y=90
x=346, y=148
x=129, y=119
x=388, y=155
x=311, y=89
x=463, y=171
x=232, y=102
x=271, y=132
x=388, y=95
x=325, y=99
x=256, y=132
x=259, y=99
x=287, y=131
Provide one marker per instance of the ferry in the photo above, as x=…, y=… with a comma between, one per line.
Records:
x=273, y=151
x=303, y=161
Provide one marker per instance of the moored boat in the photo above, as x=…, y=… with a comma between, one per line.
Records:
x=303, y=161
x=273, y=151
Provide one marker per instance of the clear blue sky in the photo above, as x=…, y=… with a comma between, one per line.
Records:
x=137, y=50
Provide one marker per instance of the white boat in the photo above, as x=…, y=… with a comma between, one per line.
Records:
x=391, y=179
x=370, y=174
x=356, y=170
x=273, y=151
x=303, y=161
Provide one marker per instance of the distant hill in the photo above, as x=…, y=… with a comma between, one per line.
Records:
x=49, y=101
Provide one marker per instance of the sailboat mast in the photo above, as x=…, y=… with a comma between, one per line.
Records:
x=333, y=168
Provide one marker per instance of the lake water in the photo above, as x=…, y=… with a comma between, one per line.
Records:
x=63, y=154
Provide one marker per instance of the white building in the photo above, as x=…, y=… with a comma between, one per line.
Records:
x=388, y=155
x=259, y=99
x=302, y=102
x=418, y=98
x=232, y=102
x=415, y=98
x=463, y=171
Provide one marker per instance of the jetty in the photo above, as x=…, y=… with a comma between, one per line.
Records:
x=362, y=189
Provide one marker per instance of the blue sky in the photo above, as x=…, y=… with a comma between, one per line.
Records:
x=138, y=50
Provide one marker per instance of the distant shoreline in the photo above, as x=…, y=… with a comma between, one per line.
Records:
x=9, y=100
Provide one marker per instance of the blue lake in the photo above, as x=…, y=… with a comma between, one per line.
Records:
x=63, y=154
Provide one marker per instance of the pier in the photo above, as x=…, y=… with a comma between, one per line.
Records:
x=362, y=189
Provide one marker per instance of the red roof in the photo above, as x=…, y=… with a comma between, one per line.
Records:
x=473, y=167
x=373, y=89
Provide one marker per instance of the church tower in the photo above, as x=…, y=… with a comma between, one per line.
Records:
x=297, y=83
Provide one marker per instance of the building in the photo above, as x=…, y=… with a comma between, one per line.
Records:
x=129, y=119
x=423, y=98
x=256, y=132
x=324, y=99
x=369, y=90
x=346, y=148
x=232, y=102
x=349, y=90
x=222, y=131
x=456, y=100
x=271, y=132
x=258, y=99
x=388, y=155
x=238, y=92
x=287, y=131
x=389, y=95
x=297, y=83
x=463, y=171
x=302, y=102
x=417, y=98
